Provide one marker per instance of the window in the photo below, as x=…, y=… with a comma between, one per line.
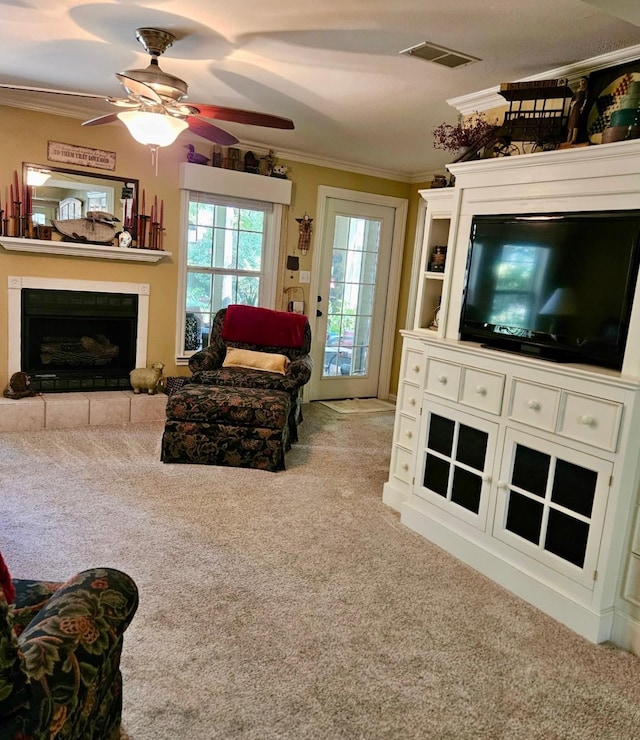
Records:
x=97, y=201
x=230, y=255
x=518, y=275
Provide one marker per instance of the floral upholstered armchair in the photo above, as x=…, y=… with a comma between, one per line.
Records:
x=60, y=647
x=258, y=330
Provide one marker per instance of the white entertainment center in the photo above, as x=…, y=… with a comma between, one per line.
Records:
x=525, y=469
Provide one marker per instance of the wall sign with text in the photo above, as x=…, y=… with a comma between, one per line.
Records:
x=80, y=155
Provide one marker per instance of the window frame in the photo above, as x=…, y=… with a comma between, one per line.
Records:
x=268, y=273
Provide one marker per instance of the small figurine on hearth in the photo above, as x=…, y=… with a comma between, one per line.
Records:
x=19, y=387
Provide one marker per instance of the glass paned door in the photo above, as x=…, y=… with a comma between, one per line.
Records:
x=458, y=452
x=551, y=502
x=355, y=271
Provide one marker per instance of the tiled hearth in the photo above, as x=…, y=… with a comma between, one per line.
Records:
x=81, y=409
x=67, y=410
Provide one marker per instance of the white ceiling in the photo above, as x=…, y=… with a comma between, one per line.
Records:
x=333, y=66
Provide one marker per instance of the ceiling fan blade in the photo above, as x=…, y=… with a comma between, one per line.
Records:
x=210, y=132
x=241, y=116
x=133, y=87
x=100, y=120
x=6, y=86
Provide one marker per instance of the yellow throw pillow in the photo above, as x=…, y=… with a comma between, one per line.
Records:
x=256, y=360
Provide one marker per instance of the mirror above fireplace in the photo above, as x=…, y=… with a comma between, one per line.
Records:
x=56, y=193
x=52, y=192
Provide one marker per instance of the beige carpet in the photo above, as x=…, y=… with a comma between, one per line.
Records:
x=295, y=605
x=359, y=405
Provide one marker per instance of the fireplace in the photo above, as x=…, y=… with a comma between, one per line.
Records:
x=73, y=335
x=78, y=340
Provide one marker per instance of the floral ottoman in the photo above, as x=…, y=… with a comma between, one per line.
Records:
x=240, y=427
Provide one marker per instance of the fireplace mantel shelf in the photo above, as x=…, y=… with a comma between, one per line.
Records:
x=74, y=249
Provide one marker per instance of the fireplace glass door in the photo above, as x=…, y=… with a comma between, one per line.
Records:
x=77, y=340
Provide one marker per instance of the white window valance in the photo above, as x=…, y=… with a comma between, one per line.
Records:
x=203, y=179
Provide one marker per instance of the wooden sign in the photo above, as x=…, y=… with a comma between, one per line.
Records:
x=80, y=155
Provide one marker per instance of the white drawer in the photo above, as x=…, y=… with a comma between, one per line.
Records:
x=533, y=404
x=403, y=464
x=482, y=390
x=413, y=365
x=409, y=399
x=407, y=431
x=443, y=379
x=591, y=420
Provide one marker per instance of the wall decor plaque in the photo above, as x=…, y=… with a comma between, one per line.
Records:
x=80, y=155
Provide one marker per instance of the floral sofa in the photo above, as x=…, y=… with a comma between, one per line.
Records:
x=60, y=647
x=262, y=330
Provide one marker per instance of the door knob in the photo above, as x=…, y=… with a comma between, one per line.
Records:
x=318, y=312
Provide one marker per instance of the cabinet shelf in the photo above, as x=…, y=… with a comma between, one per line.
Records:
x=431, y=291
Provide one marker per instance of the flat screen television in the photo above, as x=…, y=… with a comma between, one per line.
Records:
x=557, y=286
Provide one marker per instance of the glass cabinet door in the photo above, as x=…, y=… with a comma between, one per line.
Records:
x=551, y=503
x=458, y=451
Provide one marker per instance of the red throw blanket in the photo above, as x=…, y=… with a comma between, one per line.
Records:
x=6, y=584
x=263, y=327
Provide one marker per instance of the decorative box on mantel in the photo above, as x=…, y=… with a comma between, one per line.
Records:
x=75, y=249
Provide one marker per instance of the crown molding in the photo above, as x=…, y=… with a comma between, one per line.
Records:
x=288, y=154
x=292, y=155
x=490, y=98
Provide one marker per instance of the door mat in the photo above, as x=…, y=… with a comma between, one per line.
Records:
x=359, y=405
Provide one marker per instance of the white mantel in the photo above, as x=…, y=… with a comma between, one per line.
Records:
x=78, y=249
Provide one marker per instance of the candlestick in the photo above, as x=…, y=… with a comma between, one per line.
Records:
x=142, y=231
x=17, y=220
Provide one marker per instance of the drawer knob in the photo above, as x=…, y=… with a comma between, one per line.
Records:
x=408, y=434
x=412, y=402
x=415, y=368
x=502, y=484
x=588, y=421
x=534, y=405
x=442, y=379
x=405, y=466
x=486, y=478
x=481, y=390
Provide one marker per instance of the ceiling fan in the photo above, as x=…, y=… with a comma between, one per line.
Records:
x=154, y=110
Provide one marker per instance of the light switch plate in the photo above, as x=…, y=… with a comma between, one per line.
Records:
x=305, y=276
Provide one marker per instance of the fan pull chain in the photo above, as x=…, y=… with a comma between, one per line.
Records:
x=155, y=155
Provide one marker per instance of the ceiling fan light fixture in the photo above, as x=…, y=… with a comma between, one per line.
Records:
x=153, y=129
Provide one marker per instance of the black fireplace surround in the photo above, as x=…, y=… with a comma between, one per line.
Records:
x=76, y=340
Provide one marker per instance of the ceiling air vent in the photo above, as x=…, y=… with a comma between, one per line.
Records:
x=439, y=55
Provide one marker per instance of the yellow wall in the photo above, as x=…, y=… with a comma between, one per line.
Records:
x=23, y=138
